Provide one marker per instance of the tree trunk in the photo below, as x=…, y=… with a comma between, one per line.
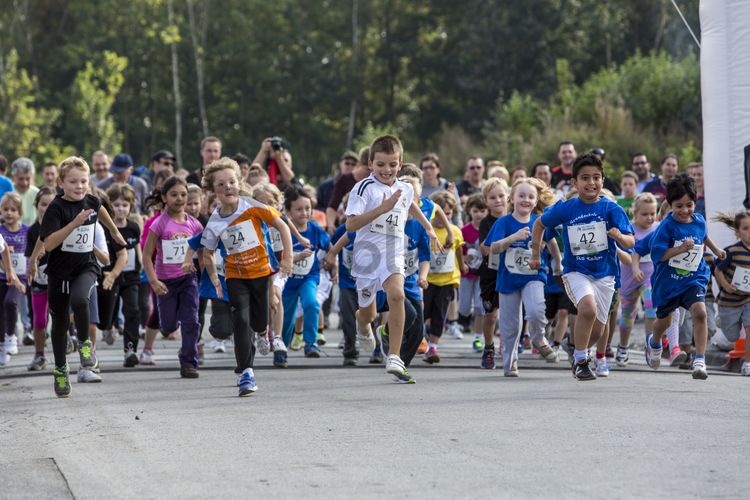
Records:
x=355, y=77
x=199, y=46
x=176, y=91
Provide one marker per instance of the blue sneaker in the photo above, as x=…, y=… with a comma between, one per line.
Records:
x=248, y=384
x=279, y=359
x=312, y=351
x=488, y=359
x=653, y=356
x=520, y=347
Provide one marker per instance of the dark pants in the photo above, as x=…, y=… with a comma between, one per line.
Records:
x=221, y=320
x=179, y=308
x=436, y=302
x=347, y=308
x=62, y=296
x=129, y=296
x=413, y=329
x=9, y=295
x=248, y=299
x=144, y=302
x=107, y=299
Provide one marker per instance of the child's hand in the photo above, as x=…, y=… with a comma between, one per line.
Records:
x=731, y=288
x=638, y=275
x=302, y=255
x=422, y=283
x=304, y=242
x=119, y=239
x=721, y=254
x=286, y=266
x=389, y=203
x=535, y=262
x=14, y=281
x=217, y=286
x=187, y=266
x=522, y=234
x=330, y=261
x=449, y=239
x=108, y=281
x=83, y=216
x=464, y=269
x=614, y=233
x=557, y=271
x=687, y=244
x=435, y=241
x=158, y=287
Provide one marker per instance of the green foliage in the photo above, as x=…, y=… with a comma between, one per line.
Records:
x=371, y=131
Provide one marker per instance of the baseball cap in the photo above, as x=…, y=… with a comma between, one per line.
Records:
x=121, y=162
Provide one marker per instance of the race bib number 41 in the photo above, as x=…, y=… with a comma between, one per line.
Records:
x=81, y=240
x=689, y=260
x=390, y=223
x=586, y=239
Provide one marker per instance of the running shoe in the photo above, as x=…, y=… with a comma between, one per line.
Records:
x=621, y=356
x=454, y=330
x=201, y=354
x=394, y=365
x=297, y=342
x=377, y=357
x=431, y=356
x=37, y=364
x=11, y=345
x=699, y=369
x=262, y=344
x=382, y=332
x=688, y=363
x=745, y=370
x=312, y=351
x=350, y=362
x=279, y=359
x=366, y=340
x=488, y=359
x=423, y=345
x=582, y=371
x=131, y=359
x=86, y=376
x=602, y=367
x=110, y=336
x=278, y=345
x=478, y=344
x=321, y=339
x=677, y=356
x=247, y=383
x=404, y=378
x=653, y=356
x=4, y=358
x=188, y=371
x=513, y=372
x=147, y=357
x=86, y=354
x=219, y=346
x=609, y=352
x=546, y=352
x=61, y=381
x=28, y=338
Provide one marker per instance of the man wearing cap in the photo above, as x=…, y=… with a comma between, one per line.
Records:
x=122, y=168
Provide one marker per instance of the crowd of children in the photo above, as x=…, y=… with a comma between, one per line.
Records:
x=530, y=261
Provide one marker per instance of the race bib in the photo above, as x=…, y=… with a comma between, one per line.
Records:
x=130, y=264
x=275, y=235
x=741, y=279
x=689, y=260
x=18, y=261
x=173, y=251
x=303, y=267
x=219, y=260
x=81, y=240
x=411, y=262
x=41, y=275
x=473, y=258
x=240, y=238
x=390, y=223
x=646, y=258
x=517, y=260
x=493, y=262
x=442, y=262
x=346, y=258
x=586, y=239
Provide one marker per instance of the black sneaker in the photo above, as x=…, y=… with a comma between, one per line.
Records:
x=62, y=381
x=688, y=363
x=581, y=371
x=350, y=361
x=131, y=359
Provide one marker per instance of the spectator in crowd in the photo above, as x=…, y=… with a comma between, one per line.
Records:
x=543, y=172
x=433, y=183
x=49, y=174
x=122, y=169
x=496, y=168
x=343, y=184
x=562, y=173
x=23, y=172
x=274, y=154
x=210, y=152
x=695, y=172
x=5, y=184
x=658, y=185
x=517, y=173
x=473, y=178
x=642, y=168
x=244, y=162
x=161, y=160
x=256, y=174
x=628, y=184
x=100, y=164
x=325, y=189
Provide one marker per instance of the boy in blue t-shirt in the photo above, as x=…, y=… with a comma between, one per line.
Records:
x=592, y=226
x=680, y=272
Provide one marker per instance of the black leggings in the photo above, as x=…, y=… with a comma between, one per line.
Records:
x=129, y=297
x=62, y=296
x=246, y=295
x=9, y=297
x=436, y=302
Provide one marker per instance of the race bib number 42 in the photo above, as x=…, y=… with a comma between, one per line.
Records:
x=81, y=240
x=586, y=239
x=689, y=260
x=173, y=251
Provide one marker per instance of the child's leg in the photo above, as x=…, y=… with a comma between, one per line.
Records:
x=585, y=323
x=700, y=327
x=81, y=289
x=441, y=298
x=347, y=311
x=39, y=306
x=4, y=319
x=510, y=320
x=10, y=309
x=59, y=305
x=394, y=290
x=561, y=326
x=153, y=323
x=289, y=299
x=145, y=304
x=413, y=332
x=188, y=314
x=627, y=315
x=311, y=307
x=686, y=337
x=129, y=297
x=465, y=299
x=106, y=300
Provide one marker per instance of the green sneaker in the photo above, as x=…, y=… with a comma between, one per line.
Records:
x=297, y=342
x=478, y=344
x=62, y=382
x=86, y=353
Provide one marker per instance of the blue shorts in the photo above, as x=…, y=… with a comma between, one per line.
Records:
x=686, y=299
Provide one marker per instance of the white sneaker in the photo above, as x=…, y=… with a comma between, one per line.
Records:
x=745, y=369
x=602, y=368
x=3, y=356
x=88, y=376
x=367, y=340
x=261, y=342
x=699, y=370
x=147, y=357
x=219, y=346
x=394, y=365
x=278, y=344
x=11, y=344
x=454, y=330
x=110, y=336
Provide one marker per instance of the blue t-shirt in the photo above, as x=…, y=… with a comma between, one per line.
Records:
x=319, y=240
x=273, y=261
x=417, y=250
x=6, y=185
x=345, y=256
x=643, y=246
x=427, y=206
x=667, y=281
x=517, y=255
x=205, y=287
x=594, y=253
x=551, y=286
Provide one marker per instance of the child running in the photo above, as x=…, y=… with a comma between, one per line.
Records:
x=68, y=234
x=681, y=274
x=590, y=264
x=176, y=290
x=14, y=233
x=237, y=224
x=470, y=309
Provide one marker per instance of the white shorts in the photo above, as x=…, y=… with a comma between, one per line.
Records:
x=368, y=288
x=578, y=285
x=279, y=280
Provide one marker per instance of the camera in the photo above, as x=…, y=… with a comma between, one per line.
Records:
x=276, y=142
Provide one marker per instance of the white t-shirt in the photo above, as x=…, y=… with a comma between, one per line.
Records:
x=380, y=244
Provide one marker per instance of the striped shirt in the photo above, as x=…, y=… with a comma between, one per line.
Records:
x=738, y=255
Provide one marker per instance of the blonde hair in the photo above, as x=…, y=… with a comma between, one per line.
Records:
x=445, y=200
x=224, y=163
x=644, y=199
x=194, y=189
x=70, y=163
x=267, y=187
x=608, y=194
x=491, y=184
x=14, y=199
x=544, y=195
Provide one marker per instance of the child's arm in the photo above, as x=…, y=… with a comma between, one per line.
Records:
x=356, y=222
x=460, y=258
x=111, y=276
x=293, y=230
x=671, y=252
x=535, y=262
x=439, y=214
x=415, y=212
x=502, y=245
x=626, y=241
x=56, y=239
x=624, y=256
x=724, y=283
x=10, y=274
x=285, y=266
x=114, y=231
x=635, y=266
x=554, y=251
x=102, y=256
x=330, y=258
x=209, y=264
x=424, y=270
x=187, y=264
x=148, y=264
x=36, y=254
x=720, y=253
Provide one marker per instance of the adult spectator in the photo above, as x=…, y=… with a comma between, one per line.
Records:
x=5, y=183
x=325, y=189
x=274, y=154
x=473, y=178
x=609, y=182
x=695, y=172
x=100, y=164
x=122, y=170
x=658, y=186
x=562, y=173
x=433, y=183
x=23, y=171
x=640, y=165
x=244, y=162
x=49, y=174
x=344, y=183
x=210, y=152
x=161, y=160
x=543, y=172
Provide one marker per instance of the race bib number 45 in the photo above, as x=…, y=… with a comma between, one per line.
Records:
x=586, y=239
x=689, y=260
x=517, y=260
x=81, y=240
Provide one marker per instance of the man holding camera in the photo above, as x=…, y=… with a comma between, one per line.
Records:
x=275, y=156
